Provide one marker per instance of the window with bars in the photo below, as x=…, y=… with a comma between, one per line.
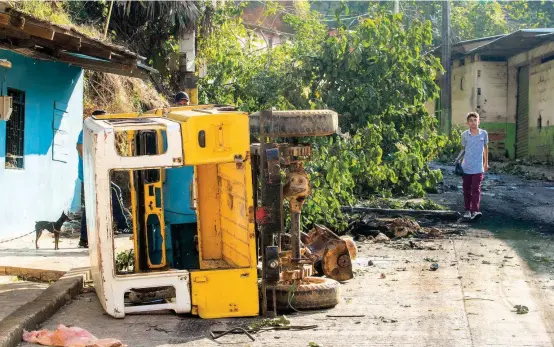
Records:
x=15, y=130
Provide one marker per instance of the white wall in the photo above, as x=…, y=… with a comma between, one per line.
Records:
x=492, y=79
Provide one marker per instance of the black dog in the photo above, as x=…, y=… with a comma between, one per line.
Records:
x=53, y=227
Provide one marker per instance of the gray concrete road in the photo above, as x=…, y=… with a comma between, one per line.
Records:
x=468, y=301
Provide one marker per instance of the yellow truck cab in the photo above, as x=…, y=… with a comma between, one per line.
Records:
x=193, y=246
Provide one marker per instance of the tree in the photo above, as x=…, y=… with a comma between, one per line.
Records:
x=377, y=77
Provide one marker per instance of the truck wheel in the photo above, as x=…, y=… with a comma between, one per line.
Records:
x=298, y=123
x=313, y=293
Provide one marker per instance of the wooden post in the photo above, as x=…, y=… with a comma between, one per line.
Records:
x=445, y=101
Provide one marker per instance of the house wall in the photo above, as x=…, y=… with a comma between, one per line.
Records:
x=482, y=86
x=541, y=96
x=492, y=84
x=48, y=183
x=462, y=91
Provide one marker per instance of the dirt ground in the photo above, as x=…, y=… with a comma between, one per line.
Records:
x=504, y=195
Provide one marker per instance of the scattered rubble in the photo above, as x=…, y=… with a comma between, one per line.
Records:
x=371, y=228
x=520, y=309
x=381, y=238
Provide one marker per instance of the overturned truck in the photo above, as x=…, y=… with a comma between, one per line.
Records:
x=207, y=212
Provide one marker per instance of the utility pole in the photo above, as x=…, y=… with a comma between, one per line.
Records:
x=396, y=6
x=187, y=66
x=445, y=100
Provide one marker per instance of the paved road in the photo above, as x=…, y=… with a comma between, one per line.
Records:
x=468, y=301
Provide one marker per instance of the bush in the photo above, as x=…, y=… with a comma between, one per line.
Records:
x=453, y=146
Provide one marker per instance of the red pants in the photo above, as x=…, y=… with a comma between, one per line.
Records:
x=472, y=191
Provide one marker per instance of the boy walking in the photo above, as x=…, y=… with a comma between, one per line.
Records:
x=475, y=164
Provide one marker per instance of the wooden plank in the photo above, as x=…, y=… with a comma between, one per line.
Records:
x=11, y=32
x=104, y=66
x=39, y=31
x=4, y=19
x=67, y=42
x=95, y=51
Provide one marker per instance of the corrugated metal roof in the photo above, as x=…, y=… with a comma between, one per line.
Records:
x=504, y=46
x=515, y=43
x=458, y=49
x=538, y=30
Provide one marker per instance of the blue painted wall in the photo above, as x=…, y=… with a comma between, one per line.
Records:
x=45, y=187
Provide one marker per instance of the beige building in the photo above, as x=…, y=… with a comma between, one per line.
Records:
x=509, y=81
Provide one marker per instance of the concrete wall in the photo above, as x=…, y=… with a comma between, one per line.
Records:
x=482, y=86
x=492, y=105
x=48, y=183
x=463, y=91
x=541, y=99
x=497, y=102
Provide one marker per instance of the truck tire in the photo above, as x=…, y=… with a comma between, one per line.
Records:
x=298, y=123
x=317, y=293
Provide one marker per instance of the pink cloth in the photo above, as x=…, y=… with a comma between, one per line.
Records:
x=68, y=337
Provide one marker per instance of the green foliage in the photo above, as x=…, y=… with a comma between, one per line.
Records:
x=376, y=77
x=241, y=71
x=471, y=19
x=52, y=11
x=451, y=149
x=367, y=72
x=125, y=261
x=474, y=19
x=57, y=12
x=277, y=322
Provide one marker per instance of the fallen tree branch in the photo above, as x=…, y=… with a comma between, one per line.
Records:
x=416, y=213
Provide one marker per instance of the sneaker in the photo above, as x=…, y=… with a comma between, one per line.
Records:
x=83, y=244
x=476, y=215
x=467, y=215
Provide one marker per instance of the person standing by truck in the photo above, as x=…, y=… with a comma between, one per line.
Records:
x=182, y=99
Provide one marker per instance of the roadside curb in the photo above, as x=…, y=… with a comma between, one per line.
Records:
x=32, y=314
x=30, y=274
